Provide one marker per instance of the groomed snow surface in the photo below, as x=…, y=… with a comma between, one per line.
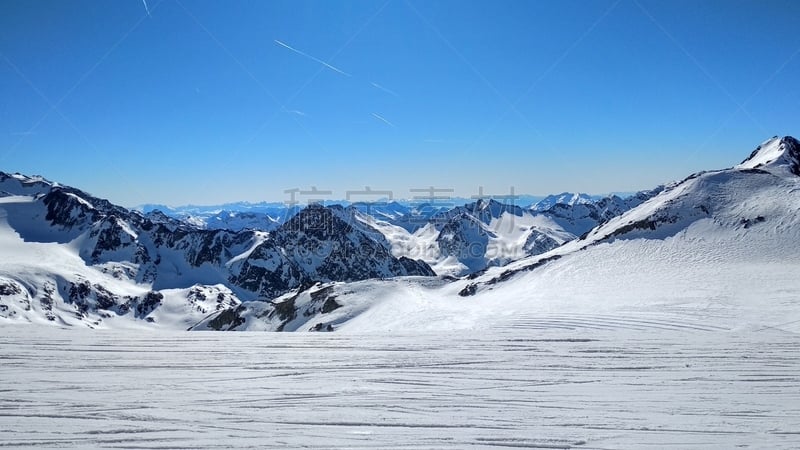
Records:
x=513, y=386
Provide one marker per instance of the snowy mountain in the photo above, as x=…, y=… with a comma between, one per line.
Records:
x=719, y=249
x=777, y=155
x=565, y=198
x=486, y=233
x=580, y=216
x=749, y=214
x=73, y=258
x=320, y=244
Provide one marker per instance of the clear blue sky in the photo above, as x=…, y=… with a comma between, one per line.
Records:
x=213, y=101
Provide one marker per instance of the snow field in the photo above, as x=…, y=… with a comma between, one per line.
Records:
x=507, y=387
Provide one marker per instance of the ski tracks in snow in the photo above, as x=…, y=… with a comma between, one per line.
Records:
x=505, y=387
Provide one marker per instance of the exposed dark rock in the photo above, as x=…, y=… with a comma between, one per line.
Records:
x=322, y=327
x=148, y=304
x=321, y=244
x=284, y=310
x=228, y=320
x=747, y=223
x=470, y=289
x=330, y=305
x=89, y=298
x=8, y=288
x=538, y=243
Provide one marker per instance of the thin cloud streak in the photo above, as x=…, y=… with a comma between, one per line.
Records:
x=312, y=58
x=146, y=9
x=383, y=120
x=296, y=112
x=388, y=91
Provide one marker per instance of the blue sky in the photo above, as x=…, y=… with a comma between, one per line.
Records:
x=210, y=101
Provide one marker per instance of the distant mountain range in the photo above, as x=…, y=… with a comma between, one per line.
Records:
x=70, y=258
x=269, y=215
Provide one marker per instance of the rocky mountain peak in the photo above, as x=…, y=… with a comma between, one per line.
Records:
x=775, y=153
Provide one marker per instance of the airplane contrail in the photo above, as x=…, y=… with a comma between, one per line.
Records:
x=312, y=58
x=383, y=120
x=146, y=9
x=296, y=112
x=388, y=91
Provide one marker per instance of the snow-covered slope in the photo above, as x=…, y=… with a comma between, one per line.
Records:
x=719, y=250
x=720, y=243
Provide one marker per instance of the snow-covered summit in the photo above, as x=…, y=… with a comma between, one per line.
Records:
x=777, y=153
x=564, y=198
x=18, y=184
x=750, y=212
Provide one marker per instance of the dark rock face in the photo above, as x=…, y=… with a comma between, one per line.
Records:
x=792, y=148
x=322, y=327
x=112, y=234
x=89, y=297
x=469, y=290
x=67, y=210
x=466, y=238
x=416, y=267
x=538, y=243
x=148, y=303
x=288, y=312
x=8, y=288
x=321, y=244
x=327, y=297
x=482, y=210
x=46, y=301
x=285, y=311
x=228, y=319
x=269, y=271
x=747, y=223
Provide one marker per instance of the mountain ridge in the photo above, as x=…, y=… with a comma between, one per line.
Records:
x=80, y=260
